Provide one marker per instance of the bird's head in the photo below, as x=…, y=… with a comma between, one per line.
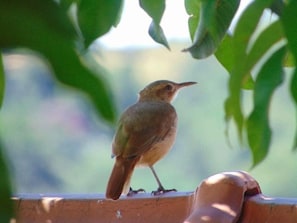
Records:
x=162, y=90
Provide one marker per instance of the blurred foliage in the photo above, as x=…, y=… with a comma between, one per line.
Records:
x=95, y=17
x=45, y=27
x=2, y=82
x=63, y=31
x=6, y=206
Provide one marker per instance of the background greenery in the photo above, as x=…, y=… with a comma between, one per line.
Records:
x=61, y=33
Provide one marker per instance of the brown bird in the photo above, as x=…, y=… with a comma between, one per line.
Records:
x=146, y=131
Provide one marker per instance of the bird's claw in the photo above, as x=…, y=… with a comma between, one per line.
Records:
x=133, y=192
x=162, y=190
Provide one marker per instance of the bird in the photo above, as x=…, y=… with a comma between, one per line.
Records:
x=145, y=133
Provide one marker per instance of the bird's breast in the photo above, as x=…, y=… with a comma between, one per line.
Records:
x=159, y=150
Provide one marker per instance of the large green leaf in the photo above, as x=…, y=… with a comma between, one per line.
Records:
x=80, y=77
x=269, y=37
x=258, y=129
x=225, y=55
x=215, y=19
x=96, y=17
x=289, y=18
x=6, y=206
x=193, y=10
x=155, y=9
x=244, y=30
x=44, y=27
x=2, y=81
x=65, y=4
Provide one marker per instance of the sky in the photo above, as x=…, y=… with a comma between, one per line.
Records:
x=132, y=31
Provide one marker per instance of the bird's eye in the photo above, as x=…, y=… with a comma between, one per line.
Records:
x=168, y=87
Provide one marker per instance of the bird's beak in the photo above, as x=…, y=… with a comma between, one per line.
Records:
x=185, y=84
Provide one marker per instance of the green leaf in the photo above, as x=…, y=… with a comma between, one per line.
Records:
x=289, y=60
x=155, y=9
x=193, y=10
x=157, y=34
x=293, y=89
x=225, y=55
x=269, y=37
x=192, y=25
x=192, y=7
x=96, y=17
x=22, y=19
x=244, y=30
x=65, y=4
x=288, y=19
x=278, y=6
x=2, y=81
x=44, y=27
x=215, y=19
x=258, y=129
x=80, y=77
x=6, y=205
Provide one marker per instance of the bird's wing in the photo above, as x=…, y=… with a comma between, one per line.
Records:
x=141, y=126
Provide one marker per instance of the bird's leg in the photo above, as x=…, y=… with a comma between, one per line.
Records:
x=133, y=192
x=161, y=189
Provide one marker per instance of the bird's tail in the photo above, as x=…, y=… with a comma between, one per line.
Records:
x=119, y=180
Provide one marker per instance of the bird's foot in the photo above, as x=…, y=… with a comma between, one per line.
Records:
x=133, y=192
x=162, y=190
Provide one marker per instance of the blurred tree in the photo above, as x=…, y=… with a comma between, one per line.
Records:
x=62, y=38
